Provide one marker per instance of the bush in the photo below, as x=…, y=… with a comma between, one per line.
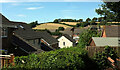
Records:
x=101, y=57
x=61, y=28
x=62, y=59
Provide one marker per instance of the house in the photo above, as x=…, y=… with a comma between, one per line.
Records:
x=74, y=32
x=105, y=41
x=6, y=33
x=111, y=31
x=25, y=41
x=66, y=41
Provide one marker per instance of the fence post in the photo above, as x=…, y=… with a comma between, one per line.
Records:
x=12, y=59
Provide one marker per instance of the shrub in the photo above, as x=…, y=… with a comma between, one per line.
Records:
x=101, y=57
x=61, y=28
x=62, y=59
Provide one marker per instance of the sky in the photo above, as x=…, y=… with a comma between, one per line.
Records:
x=48, y=11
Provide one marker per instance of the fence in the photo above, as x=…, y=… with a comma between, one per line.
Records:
x=93, y=49
x=6, y=60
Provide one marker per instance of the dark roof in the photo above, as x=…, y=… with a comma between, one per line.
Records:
x=68, y=37
x=28, y=33
x=67, y=31
x=47, y=37
x=76, y=31
x=5, y=22
x=112, y=31
x=24, y=45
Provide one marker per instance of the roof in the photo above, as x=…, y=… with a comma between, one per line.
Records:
x=112, y=31
x=24, y=45
x=76, y=31
x=47, y=37
x=27, y=33
x=104, y=41
x=5, y=22
x=68, y=37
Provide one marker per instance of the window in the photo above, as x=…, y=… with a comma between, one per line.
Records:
x=4, y=32
x=64, y=43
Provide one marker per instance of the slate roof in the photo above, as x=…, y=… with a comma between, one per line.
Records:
x=104, y=41
x=4, y=22
x=28, y=33
x=76, y=31
x=112, y=31
x=24, y=32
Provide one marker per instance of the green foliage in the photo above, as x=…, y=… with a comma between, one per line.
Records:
x=64, y=20
x=101, y=57
x=56, y=21
x=83, y=24
x=110, y=11
x=88, y=20
x=86, y=36
x=61, y=28
x=73, y=58
x=80, y=20
x=67, y=24
x=56, y=33
x=43, y=30
x=33, y=24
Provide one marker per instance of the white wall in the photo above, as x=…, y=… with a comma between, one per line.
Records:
x=68, y=43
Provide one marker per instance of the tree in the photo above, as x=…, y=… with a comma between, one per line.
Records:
x=80, y=20
x=33, y=24
x=101, y=58
x=88, y=20
x=115, y=7
x=61, y=28
x=100, y=19
x=110, y=11
x=56, y=21
x=94, y=19
x=85, y=37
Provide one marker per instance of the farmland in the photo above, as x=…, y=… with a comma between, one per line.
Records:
x=50, y=26
x=70, y=23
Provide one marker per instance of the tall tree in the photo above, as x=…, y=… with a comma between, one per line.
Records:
x=110, y=11
x=33, y=24
x=88, y=20
x=94, y=19
x=80, y=20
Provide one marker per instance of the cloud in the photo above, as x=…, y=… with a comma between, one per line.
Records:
x=34, y=8
x=21, y=15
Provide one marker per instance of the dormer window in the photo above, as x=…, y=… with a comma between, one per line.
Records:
x=4, y=32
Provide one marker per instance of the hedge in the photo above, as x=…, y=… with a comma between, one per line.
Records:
x=73, y=58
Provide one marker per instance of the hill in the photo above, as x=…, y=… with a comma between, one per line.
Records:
x=70, y=23
x=51, y=26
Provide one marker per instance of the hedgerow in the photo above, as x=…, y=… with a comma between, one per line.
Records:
x=73, y=58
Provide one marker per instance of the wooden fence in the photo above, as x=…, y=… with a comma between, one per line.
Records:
x=6, y=60
x=93, y=49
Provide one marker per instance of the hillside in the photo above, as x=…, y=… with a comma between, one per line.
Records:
x=50, y=26
x=70, y=23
